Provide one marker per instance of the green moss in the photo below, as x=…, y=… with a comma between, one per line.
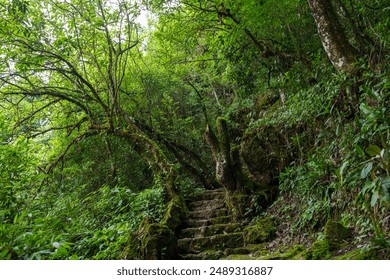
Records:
x=176, y=212
x=266, y=100
x=212, y=255
x=157, y=241
x=223, y=136
x=336, y=233
x=296, y=252
x=264, y=230
x=238, y=257
x=131, y=251
x=235, y=203
x=263, y=155
x=353, y=255
x=364, y=254
x=320, y=250
x=253, y=250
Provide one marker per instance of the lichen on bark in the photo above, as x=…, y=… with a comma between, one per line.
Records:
x=333, y=36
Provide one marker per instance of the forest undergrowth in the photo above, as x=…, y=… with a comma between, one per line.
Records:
x=106, y=124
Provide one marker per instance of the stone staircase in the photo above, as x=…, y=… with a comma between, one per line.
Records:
x=210, y=233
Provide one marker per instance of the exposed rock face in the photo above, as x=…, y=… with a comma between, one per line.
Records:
x=264, y=154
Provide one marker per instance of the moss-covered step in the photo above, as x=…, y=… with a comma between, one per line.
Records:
x=210, y=230
x=209, y=195
x=252, y=250
x=208, y=213
x=296, y=252
x=192, y=223
x=206, y=255
x=249, y=252
x=215, y=242
x=206, y=204
x=238, y=257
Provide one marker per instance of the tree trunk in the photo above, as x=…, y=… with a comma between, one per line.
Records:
x=334, y=39
x=227, y=171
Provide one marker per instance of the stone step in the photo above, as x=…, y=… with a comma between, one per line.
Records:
x=203, y=231
x=214, y=242
x=198, y=222
x=249, y=249
x=248, y=252
x=206, y=204
x=206, y=255
x=208, y=195
x=193, y=223
x=208, y=213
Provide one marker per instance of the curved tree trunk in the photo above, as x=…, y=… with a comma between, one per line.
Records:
x=228, y=169
x=333, y=37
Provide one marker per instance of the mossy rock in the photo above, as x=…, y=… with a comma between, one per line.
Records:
x=266, y=100
x=336, y=232
x=264, y=155
x=357, y=254
x=366, y=254
x=210, y=230
x=206, y=255
x=131, y=250
x=176, y=212
x=215, y=242
x=158, y=242
x=264, y=230
x=236, y=203
x=239, y=257
x=319, y=250
x=253, y=250
x=295, y=252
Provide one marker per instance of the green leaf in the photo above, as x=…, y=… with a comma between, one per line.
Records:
x=359, y=150
x=374, y=198
x=365, y=109
x=5, y=255
x=385, y=189
x=62, y=251
x=343, y=166
x=373, y=150
x=366, y=170
x=386, y=182
x=74, y=257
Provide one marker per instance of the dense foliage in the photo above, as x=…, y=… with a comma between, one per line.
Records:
x=103, y=119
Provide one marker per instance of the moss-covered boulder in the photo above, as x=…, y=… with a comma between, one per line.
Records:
x=158, y=242
x=131, y=250
x=319, y=250
x=264, y=155
x=176, y=212
x=336, y=232
x=295, y=252
x=263, y=230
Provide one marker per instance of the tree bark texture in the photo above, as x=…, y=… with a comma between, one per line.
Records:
x=333, y=37
x=227, y=167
